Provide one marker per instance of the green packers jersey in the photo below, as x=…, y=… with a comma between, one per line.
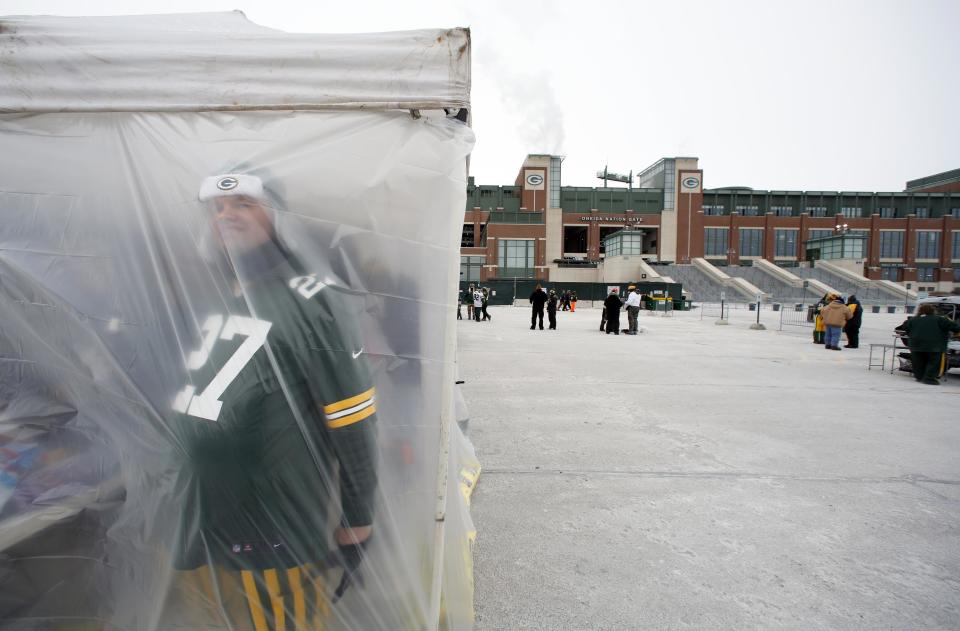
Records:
x=277, y=419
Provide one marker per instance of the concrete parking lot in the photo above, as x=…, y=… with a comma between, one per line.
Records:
x=707, y=477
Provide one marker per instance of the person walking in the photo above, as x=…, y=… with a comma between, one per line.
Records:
x=852, y=327
x=552, y=309
x=612, y=311
x=835, y=315
x=633, y=310
x=565, y=300
x=537, y=299
x=927, y=335
x=469, y=299
x=477, y=304
x=573, y=301
x=459, y=306
x=486, y=301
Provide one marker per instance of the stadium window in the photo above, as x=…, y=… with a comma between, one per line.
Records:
x=785, y=243
x=928, y=244
x=715, y=241
x=713, y=209
x=851, y=211
x=955, y=213
x=782, y=211
x=891, y=244
x=921, y=212
x=515, y=256
x=890, y=272
x=817, y=211
x=887, y=212
x=925, y=273
x=751, y=242
x=468, y=236
x=955, y=246
x=470, y=267
x=748, y=211
x=820, y=233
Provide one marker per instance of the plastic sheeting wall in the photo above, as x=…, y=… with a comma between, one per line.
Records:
x=196, y=394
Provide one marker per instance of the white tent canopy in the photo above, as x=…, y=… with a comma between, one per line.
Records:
x=163, y=181
x=222, y=61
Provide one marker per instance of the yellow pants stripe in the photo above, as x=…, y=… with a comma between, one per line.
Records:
x=253, y=600
x=299, y=601
x=321, y=609
x=276, y=600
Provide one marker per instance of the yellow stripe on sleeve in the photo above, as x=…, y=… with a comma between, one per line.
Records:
x=253, y=600
x=353, y=418
x=276, y=600
x=348, y=403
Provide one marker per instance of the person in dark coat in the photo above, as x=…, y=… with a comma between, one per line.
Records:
x=928, y=334
x=565, y=300
x=852, y=327
x=552, y=309
x=486, y=301
x=538, y=298
x=611, y=307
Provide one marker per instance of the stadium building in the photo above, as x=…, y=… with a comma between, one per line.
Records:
x=538, y=229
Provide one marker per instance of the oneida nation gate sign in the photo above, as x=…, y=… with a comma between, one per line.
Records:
x=611, y=218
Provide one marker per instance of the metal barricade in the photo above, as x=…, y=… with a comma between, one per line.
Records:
x=717, y=310
x=795, y=315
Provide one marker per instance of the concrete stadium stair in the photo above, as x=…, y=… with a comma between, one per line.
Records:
x=777, y=290
x=866, y=293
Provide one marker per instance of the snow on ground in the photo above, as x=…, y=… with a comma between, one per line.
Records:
x=707, y=477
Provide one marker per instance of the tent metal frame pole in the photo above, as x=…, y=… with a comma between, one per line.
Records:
x=443, y=462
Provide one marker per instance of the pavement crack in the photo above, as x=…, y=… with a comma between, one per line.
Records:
x=720, y=475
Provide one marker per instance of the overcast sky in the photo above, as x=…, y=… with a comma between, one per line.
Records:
x=813, y=95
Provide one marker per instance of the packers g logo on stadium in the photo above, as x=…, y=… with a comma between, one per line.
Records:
x=690, y=182
x=227, y=183
x=534, y=179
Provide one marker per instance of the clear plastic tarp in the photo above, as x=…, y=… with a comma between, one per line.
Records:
x=227, y=365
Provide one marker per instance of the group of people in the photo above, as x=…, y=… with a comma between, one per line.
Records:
x=927, y=333
x=477, y=299
x=833, y=316
x=567, y=300
x=542, y=300
x=610, y=318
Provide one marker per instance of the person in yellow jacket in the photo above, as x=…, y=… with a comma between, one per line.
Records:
x=818, y=328
x=835, y=316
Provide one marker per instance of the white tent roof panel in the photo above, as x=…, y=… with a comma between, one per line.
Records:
x=222, y=61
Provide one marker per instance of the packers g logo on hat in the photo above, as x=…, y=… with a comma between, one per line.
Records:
x=232, y=184
x=227, y=183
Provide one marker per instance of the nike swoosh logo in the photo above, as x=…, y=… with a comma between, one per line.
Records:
x=357, y=354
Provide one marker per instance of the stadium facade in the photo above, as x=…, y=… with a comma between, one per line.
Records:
x=539, y=229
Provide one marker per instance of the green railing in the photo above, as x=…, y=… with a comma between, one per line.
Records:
x=500, y=216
